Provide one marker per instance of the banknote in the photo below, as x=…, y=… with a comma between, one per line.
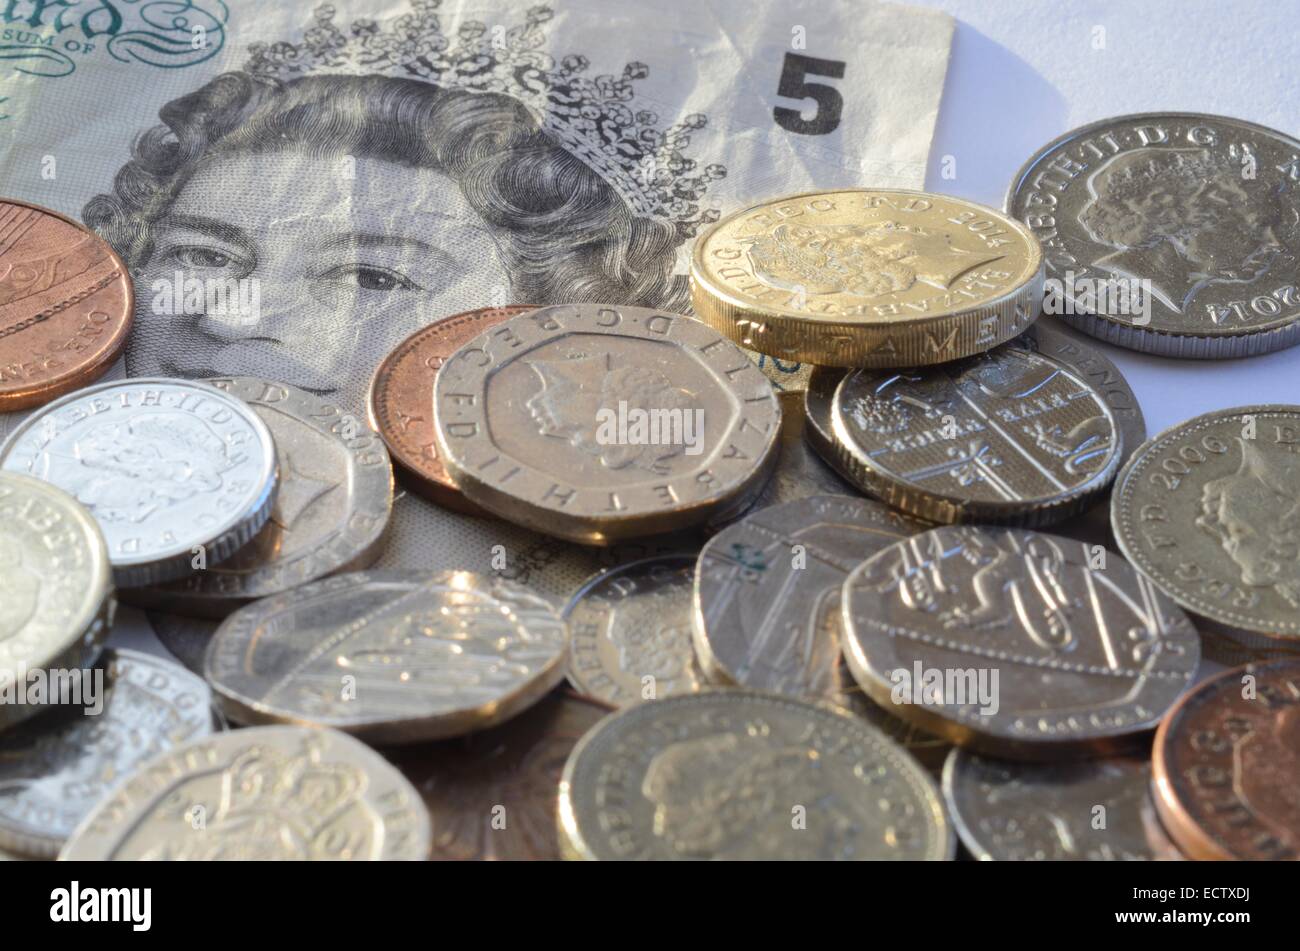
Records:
x=295, y=188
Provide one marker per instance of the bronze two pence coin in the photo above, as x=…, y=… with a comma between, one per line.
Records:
x=1227, y=765
x=401, y=401
x=66, y=305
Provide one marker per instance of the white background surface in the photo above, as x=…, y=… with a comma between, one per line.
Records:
x=1025, y=71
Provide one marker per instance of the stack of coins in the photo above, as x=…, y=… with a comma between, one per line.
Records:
x=946, y=600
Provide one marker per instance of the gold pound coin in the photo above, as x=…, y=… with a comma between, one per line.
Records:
x=867, y=278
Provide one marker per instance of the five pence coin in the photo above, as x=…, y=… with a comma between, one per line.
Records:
x=172, y=470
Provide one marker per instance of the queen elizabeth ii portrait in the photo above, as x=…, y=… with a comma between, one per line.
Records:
x=374, y=178
x=1182, y=219
x=1266, y=551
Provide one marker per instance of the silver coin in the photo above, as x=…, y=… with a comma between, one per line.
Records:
x=330, y=514
x=1224, y=647
x=1095, y=810
x=171, y=469
x=1173, y=233
x=737, y=774
x=1007, y=437
x=929, y=748
x=1016, y=644
x=630, y=632
x=1042, y=337
x=56, y=768
x=763, y=585
x=1099, y=370
x=510, y=772
x=546, y=566
x=597, y=424
x=272, y=792
x=1208, y=510
x=56, y=597
x=1045, y=336
x=389, y=657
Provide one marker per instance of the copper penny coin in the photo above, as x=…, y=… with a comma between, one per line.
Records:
x=1227, y=765
x=65, y=305
x=401, y=401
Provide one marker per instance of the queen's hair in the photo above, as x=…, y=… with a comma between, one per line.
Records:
x=567, y=235
x=1276, y=474
x=1133, y=179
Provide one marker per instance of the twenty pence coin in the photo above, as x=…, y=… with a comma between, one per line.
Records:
x=556, y=420
x=1016, y=644
x=400, y=398
x=331, y=510
x=390, y=657
x=763, y=584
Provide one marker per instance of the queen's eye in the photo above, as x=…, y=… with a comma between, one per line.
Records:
x=370, y=278
x=198, y=257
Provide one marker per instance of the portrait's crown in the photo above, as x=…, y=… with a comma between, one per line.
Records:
x=1170, y=166
x=594, y=117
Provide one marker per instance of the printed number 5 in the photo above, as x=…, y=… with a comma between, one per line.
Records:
x=794, y=85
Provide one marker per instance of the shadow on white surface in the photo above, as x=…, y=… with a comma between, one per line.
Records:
x=994, y=108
